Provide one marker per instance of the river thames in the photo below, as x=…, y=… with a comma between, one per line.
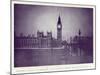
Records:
x=41, y=57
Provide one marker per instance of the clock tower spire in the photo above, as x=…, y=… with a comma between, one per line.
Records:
x=59, y=29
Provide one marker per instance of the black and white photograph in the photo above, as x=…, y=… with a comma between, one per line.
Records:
x=48, y=35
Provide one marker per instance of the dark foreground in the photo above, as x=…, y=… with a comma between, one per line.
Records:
x=32, y=57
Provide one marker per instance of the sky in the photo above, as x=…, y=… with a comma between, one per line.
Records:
x=28, y=19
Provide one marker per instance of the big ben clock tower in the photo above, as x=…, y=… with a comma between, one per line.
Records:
x=59, y=30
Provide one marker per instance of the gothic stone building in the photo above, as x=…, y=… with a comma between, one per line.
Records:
x=41, y=41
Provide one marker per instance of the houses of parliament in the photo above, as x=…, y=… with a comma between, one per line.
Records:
x=41, y=41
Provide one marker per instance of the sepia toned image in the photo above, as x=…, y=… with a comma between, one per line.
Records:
x=51, y=35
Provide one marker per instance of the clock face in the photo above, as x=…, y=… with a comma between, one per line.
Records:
x=59, y=26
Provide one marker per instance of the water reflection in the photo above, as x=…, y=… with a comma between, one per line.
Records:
x=40, y=57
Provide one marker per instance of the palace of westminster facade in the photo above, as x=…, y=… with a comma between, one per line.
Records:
x=41, y=41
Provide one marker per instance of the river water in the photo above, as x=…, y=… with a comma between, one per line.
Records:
x=41, y=57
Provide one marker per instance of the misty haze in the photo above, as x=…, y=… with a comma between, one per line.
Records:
x=52, y=35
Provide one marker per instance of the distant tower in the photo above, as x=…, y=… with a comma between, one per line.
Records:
x=79, y=42
x=59, y=30
x=79, y=33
